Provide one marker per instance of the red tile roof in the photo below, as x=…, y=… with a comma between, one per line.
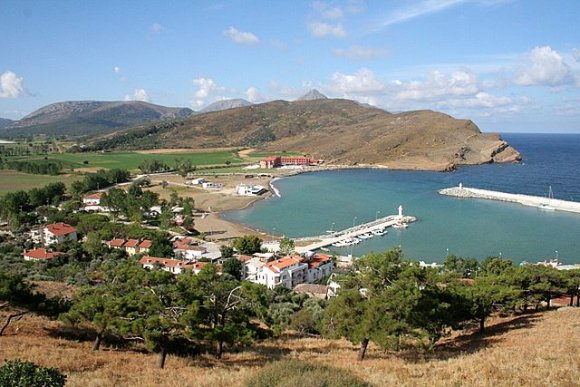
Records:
x=40, y=254
x=132, y=243
x=145, y=244
x=116, y=242
x=97, y=195
x=60, y=229
x=168, y=262
x=282, y=263
x=186, y=246
x=244, y=258
x=318, y=260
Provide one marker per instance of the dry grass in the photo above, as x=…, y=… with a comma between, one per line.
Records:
x=531, y=350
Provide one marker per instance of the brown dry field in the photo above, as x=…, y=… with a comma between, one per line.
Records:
x=530, y=350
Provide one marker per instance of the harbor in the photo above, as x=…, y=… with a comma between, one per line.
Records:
x=547, y=203
x=354, y=235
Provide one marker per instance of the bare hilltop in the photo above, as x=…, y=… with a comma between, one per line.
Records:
x=338, y=131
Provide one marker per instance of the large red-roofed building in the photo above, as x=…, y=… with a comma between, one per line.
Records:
x=278, y=161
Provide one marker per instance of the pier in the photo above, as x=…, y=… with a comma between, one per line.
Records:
x=543, y=203
x=317, y=242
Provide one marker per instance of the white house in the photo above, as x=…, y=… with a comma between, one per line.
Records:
x=58, y=233
x=286, y=271
x=210, y=185
x=39, y=255
x=252, y=267
x=198, y=181
x=319, y=267
x=250, y=190
x=189, y=249
x=171, y=265
x=93, y=200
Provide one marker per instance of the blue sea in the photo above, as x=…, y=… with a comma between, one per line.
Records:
x=312, y=203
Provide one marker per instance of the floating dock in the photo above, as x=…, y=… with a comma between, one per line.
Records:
x=317, y=242
x=543, y=203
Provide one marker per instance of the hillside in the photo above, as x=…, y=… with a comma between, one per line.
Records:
x=225, y=104
x=336, y=130
x=78, y=118
x=4, y=122
x=529, y=350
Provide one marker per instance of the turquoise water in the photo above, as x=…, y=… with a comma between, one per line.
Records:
x=314, y=202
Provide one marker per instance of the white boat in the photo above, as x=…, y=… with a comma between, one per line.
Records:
x=400, y=225
x=546, y=207
x=379, y=232
x=366, y=235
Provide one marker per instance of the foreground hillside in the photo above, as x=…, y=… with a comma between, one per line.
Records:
x=338, y=131
x=532, y=350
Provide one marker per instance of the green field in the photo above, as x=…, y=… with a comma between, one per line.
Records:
x=14, y=181
x=132, y=160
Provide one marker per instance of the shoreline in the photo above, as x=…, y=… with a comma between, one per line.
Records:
x=237, y=229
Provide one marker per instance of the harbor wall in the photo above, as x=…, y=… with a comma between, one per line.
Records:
x=526, y=200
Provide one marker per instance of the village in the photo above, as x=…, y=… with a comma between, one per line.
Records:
x=273, y=264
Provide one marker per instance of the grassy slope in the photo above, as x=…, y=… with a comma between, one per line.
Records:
x=532, y=350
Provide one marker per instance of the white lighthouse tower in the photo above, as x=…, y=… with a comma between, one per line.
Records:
x=400, y=212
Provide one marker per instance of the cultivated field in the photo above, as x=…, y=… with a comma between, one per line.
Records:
x=14, y=181
x=132, y=160
x=530, y=350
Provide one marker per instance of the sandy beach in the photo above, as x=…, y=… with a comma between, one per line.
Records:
x=213, y=201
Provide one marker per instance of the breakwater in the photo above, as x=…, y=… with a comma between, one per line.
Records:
x=544, y=203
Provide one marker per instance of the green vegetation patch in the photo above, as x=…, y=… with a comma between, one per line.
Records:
x=13, y=181
x=132, y=160
x=291, y=373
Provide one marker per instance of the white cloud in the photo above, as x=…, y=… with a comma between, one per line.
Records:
x=241, y=37
x=157, y=28
x=254, y=95
x=360, y=52
x=205, y=88
x=438, y=86
x=11, y=85
x=328, y=11
x=138, y=95
x=117, y=69
x=322, y=30
x=481, y=100
x=364, y=82
x=576, y=54
x=412, y=11
x=545, y=67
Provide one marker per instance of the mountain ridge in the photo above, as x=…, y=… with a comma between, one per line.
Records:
x=339, y=131
x=77, y=118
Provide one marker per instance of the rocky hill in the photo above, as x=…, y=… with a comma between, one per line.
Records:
x=225, y=105
x=338, y=131
x=77, y=118
x=312, y=95
x=4, y=122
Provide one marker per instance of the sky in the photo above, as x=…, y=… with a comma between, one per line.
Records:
x=508, y=65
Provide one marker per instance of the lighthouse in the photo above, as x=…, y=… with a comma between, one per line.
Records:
x=400, y=212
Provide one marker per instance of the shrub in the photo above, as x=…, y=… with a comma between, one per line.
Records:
x=26, y=374
x=290, y=373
